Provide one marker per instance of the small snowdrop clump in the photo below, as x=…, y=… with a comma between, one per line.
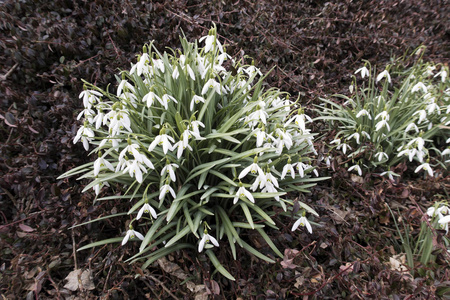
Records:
x=388, y=121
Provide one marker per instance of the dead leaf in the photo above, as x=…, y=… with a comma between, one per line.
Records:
x=357, y=179
x=200, y=292
x=26, y=228
x=80, y=279
x=175, y=270
x=288, y=259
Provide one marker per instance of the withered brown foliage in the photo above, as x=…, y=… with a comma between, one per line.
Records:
x=47, y=47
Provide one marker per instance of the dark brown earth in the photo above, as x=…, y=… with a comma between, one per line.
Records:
x=47, y=47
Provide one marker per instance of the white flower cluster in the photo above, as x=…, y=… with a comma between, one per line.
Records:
x=382, y=127
x=170, y=116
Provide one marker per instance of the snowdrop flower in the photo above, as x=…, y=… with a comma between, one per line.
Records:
x=380, y=156
x=146, y=208
x=181, y=146
x=90, y=97
x=299, y=120
x=390, y=174
x=444, y=223
x=356, y=168
x=101, y=162
x=422, y=115
x=418, y=142
x=196, y=100
x=344, y=147
x=254, y=168
x=195, y=125
x=328, y=161
x=364, y=72
x=363, y=112
x=150, y=98
x=169, y=168
x=355, y=136
x=303, y=221
x=190, y=72
x=165, y=189
x=135, y=169
x=211, y=84
x=124, y=83
x=260, y=114
x=132, y=149
x=85, y=134
x=159, y=63
x=365, y=134
x=243, y=193
x=288, y=169
x=210, y=40
x=206, y=239
x=425, y=167
x=443, y=74
x=381, y=124
x=162, y=140
x=410, y=127
x=132, y=234
x=418, y=86
x=99, y=186
x=259, y=182
x=384, y=74
x=175, y=73
x=166, y=99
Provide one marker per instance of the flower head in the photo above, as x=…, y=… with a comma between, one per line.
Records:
x=132, y=234
x=303, y=221
x=206, y=239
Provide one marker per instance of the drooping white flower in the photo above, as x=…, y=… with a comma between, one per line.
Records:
x=86, y=135
x=190, y=72
x=124, y=84
x=254, y=168
x=389, y=174
x=259, y=182
x=364, y=71
x=166, y=99
x=364, y=112
x=380, y=156
x=165, y=189
x=422, y=115
x=99, y=186
x=175, y=73
x=418, y=86
x=150, y=98
x=135, y=169
x=425, y=167
x=146, y=208
x=181, y=146
x=205, y=239
x=356, y=168
x=418, y=142
x=211, y=84
x=300, y=121
x=381, y=124
x=355, y=136
x=131, y=149
x=163, y=140
x=90, y=97
x=410, y=127
x=384, y=74
x=444, y=222
x=443, y=73
x=159, y=63
x=243, y=193
x=303, y=221
x=101, y=162
x=288, y=169
x=210, y=40
x=170, y=168
x=195, y=129
x=196, y=100
x=132, y=234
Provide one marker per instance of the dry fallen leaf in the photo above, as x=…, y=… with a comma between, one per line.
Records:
x=175, y=270
x=78, y=279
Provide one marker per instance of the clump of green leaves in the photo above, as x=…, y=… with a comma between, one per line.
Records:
x=398, y=115
x=202, y=151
